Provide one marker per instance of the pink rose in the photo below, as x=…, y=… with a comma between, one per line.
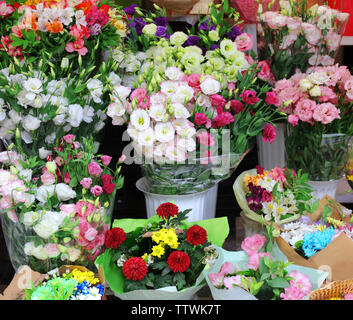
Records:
x=253, y=244
x=106, y=160
x=97, y=190
x=293, y=120
x=271, y=98
x=244, y=41
x=249, y=97
x=269, y=133
x=48, y=178
x=205, y=139
x=94, y=169
x=69, y=138
x=304, y=109
x=68, y=209
x=86, y=182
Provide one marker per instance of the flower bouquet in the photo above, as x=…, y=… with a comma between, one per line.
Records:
x=336, y=290
x=58, y=212
x=59, y=30
x=161, y=257
x=322, y=240
x=319, y=108
x=294, y=37
x=254, y=274
x=275, y=196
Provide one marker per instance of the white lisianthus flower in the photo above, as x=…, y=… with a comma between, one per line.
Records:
x=180, y=112
x=114, y=79
x=175, y=153
x=116, y=109
x=45, y=229
x=88, y=114
x=149, y=29
x=14, y=116
x=132, y=132
x=30, y=123
x=319, y=78
x=178, y=38
x=183, y=93
x=157, y=112
x=204, y=101
x=210, y=86
x=315, y=91
x=174, y=73
x=75, y=115
x=26, y=137
x=56, y=87
x=33, y=85
x=73, y=253
x=305, y=84
x=158, y=98
x=29, y=218
x=39, y=253
x=213, y=35
x=146, y=137
x=44, y=192
x=164, y=132
x=228, y=48
x=192, y=61
x=121, y=93
x=140, y=119
x=64, y=192
x=95, y=86
x=25, y=174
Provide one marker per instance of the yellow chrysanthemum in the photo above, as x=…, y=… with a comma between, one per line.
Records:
x=157, y=251
x=81, y=276
x=171, y=239
x=157, y=236
x=145, y=257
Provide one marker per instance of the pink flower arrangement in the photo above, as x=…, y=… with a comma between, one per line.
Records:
x=255, y=279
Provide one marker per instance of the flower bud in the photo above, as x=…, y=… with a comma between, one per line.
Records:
x=64, y=63
x=51, y=166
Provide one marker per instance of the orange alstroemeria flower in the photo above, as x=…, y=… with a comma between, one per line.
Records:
x=55, y=27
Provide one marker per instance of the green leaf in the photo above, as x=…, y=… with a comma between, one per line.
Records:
x=278, y=283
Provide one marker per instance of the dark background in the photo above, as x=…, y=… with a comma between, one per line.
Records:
x=130, y=202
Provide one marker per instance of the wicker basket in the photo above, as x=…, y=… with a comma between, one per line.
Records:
x=334, y=290
x=240, y=191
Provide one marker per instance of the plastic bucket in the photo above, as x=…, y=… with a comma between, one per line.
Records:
x=203, y=204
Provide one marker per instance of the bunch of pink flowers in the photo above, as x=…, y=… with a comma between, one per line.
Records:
x=316, y=96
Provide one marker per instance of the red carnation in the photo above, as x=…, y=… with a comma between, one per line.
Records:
x=114, y=238
x=166, y=210
x=196, y=235
x=135, y=269
x=178, y=261
x=109, y=188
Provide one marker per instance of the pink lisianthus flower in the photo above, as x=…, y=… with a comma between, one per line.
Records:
x=205, y=139
x=68, y=209
x=86, y=182
x=269, y=133
x=293, y=120
x=48, y=178
x=52, y=250
x=106, y=160
x=69, y=138
x=94, y=169
x=236, y=106
x=84, y=208
x=253, y=244
x=304, y=109
x=326, y=113
x=254, y=259
x=96, y=190
x=143, y=100
x=67, y=177
x=244, y=41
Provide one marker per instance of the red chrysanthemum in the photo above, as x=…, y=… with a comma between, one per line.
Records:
x=178, y=261
x=166, y=210
x=196, y=235
x=135, y=269
x=114, y=238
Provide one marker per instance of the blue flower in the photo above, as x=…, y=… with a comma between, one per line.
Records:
x=315, y=241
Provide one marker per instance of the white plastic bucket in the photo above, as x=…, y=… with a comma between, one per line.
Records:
x=203, y=204
x=322, y=188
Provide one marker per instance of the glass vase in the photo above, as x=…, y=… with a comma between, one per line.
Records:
x=77, y=242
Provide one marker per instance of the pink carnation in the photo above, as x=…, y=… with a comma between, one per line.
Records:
x=249, y=97
x=236, y=106
x=293, y=120
x=201, y=119
x=269, y=133
x=218, y=101
x=222, y=120
x=271, y=98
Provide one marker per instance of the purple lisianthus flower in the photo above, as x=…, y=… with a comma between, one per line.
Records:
x=234, y=33
x=161, y=21
x=130, y=10
x=207, y=26
x=191, y=41
x=214, y=46
x=138, y=24
x=161, y=31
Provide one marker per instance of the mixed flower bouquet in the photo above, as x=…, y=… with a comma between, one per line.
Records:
x=294, y=37
x=279, y=195
x=57, y=212
x=164, y=252
x=39, y=106
x=62, y=30
x=67, y=283
x=319, y=108
x=254, y=274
